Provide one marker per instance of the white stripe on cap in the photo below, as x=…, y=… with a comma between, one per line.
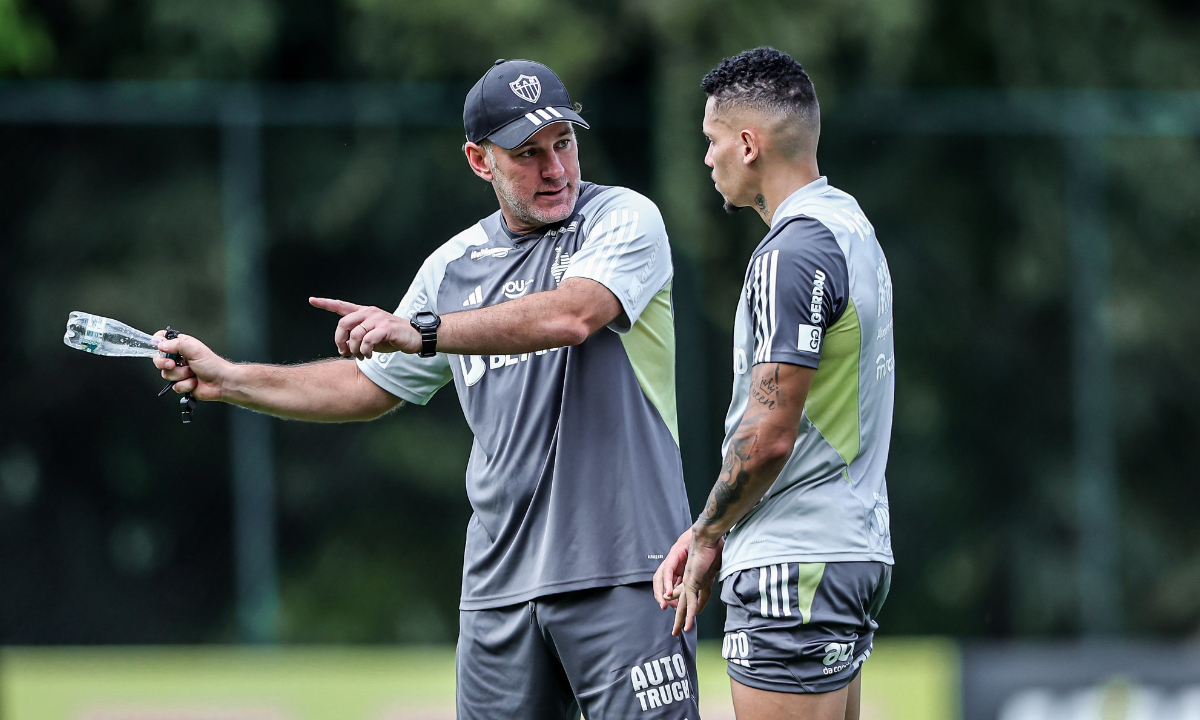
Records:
x=533, y=118
x=554, y=112
x=545, y=115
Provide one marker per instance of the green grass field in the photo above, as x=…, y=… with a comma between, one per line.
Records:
x=906, y=679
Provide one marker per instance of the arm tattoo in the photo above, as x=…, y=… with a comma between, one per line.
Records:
x=732, y=483
x=767, y=392
x=749, y=466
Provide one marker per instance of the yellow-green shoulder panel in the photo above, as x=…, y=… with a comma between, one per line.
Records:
x=650, y=345
x=832, y=404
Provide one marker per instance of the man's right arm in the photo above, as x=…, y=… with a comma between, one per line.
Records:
x=326, y=391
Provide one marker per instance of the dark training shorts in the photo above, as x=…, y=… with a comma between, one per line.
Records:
x=802, y=627
x=606, y=651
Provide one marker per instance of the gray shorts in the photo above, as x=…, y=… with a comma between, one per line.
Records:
x=606, y=651
x=802, y=627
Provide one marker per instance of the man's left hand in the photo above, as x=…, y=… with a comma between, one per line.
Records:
x=364, y=330
x=670, y=571
x=703, y=563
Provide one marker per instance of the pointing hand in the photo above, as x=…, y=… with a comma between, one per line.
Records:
x=365, y=330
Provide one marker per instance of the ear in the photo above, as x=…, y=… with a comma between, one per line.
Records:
x=751, y=146
x=477, y=159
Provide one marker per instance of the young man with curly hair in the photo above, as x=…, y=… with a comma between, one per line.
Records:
x=797, y=525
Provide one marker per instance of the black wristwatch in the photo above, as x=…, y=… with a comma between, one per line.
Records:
x=427, y=324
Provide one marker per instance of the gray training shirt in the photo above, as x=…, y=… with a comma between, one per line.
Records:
x=818, y=293
x=574, y=478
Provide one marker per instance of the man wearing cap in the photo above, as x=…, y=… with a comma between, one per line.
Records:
x=553, y=318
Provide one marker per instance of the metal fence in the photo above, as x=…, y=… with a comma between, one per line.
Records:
x=1082, y=120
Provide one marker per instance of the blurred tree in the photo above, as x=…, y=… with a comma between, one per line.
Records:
x=214, y=39
x=127, y=222
x=455, y=39
x=25, y=46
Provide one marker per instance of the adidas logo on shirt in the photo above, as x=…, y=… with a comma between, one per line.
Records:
x=475, y=297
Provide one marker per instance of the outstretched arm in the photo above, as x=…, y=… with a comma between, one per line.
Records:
x=328, y=391
x=539, y=321
x=758, y=451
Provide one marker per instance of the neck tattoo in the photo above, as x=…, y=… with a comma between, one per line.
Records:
x=761, y=203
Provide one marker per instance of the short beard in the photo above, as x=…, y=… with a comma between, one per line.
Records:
x=520, y=209
x=731, y=209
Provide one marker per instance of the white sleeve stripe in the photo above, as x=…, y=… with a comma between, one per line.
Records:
x=761, y=308
x=602, y=253
x=604, y=247
x=762, y=591
x=754, y=299
x=771, y=303
x=595, y=261
x=763, y=304
x=783, y=584
x=589, y=246
x=607, y=253
x=775, y=590
x=595, y=233
x=630, y=236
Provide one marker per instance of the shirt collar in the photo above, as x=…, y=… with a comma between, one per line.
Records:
x=791, y=205
x=518, y=238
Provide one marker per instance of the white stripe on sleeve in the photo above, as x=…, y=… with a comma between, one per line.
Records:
x=762, y=591
x=763, y=320
x=775, y=590
x=607, y=253
x=596, y=265
x=756, y=298
x=599, y=232
x=787, y=601
x=630, y=235
x=771, y=303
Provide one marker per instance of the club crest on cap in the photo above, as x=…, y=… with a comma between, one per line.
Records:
x=526, y=87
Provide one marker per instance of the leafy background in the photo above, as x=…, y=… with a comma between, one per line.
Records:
x=115, y=522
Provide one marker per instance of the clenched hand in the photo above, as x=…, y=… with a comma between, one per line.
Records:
x=684, y=579
x=205, y=373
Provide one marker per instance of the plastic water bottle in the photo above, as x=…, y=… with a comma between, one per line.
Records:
x=105, y=336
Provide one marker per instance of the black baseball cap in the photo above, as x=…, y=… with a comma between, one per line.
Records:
x=513, y=100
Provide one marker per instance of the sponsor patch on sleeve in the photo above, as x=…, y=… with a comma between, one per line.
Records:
x=810, y=338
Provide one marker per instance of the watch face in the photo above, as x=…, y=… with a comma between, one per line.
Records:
x=426, y=318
